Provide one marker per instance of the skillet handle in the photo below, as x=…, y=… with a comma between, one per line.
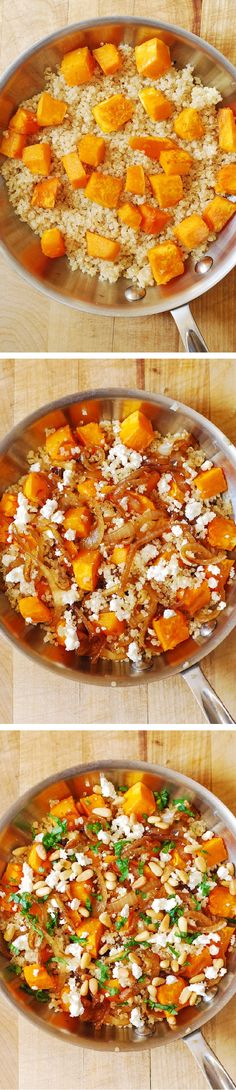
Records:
x=213, y=1070
x=188, y=329
x=211, y=705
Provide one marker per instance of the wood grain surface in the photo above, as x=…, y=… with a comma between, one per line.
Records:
x=24, y=387
x=29, y=1060
x=29, y=321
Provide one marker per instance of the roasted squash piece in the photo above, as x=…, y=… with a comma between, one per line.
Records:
x=136, y=431
x=24, y=121
x=37, y=158
x=191, y=231
x=225, y=937
x=226, y=179
x=139, y=800
x=108, y=58
x=153, y=220
x=91, y=803
x=221, y=902
x=86, y=567
x=176, y=161
x=8, y=504
x=107, y=249
x=119, y=554
x=12, y=145
x=37, y=977
x=214, y=851
x=227, y=130
x=195, y=598
x=166, y=262
x=217, y=213
x=196, y=963
x=91, y=435
x=74, y=170
x=65, y=807
x=78, y=519
x=93, y=931
x=50, y=111
x=35, y=609
x=188, y=124
x=167, y=190
x=40, y=866
x=211, y=482
x=52, y=243
x=130, y=215
x=109, y=623
x=59, y=443
x=135, y=180
x=113, y=113
x=92, y=149
x=78, y=66
x=36, y=488
x=153, y=58
x=157, y=106
x=169, y=994
x=153, y=146
x=221, y=533
x=45, y=193
x=171, y=630
x=104, y=189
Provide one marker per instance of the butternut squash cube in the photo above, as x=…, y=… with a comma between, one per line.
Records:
x=157, y=106
x=12, y=875
x=211, y=482
x=130, y=215
x=113, y=113
x=74, y=170
x=64, y=807
x=218, y=212
x=196, y=963
x=214, y=851
x=90, y=803
x=227, y=130
x=12, y=145
x=104, y=189
x=78, y=67
x=40, y=866
x=109, y=623
x=221, y=533
x=169, y=994
x=153, y=58
x=8, y=504
x=119, y=554
x=37, y=977
x=35, y=609
x=36, y=488
x=50, y=111
x=226, y=179
x=166, y=262
x=136, y=431
x=221, y=902
x=78, y=519
x=153, y=146
x=195, y=598
x=153, y=220
x=226, y=935
x=24, y=121
x=93, y=931
x=188, y=124
x=107, y=249
x=108, y=58
x=191, y=231
x=59, y=443
x=168, y=191
x=139, y=800
x=87, y=489
x=52, y=243
x=171, y=630
x=176, y=162
x=37, y=158
x=91, y=435
x=86, y=567
x=135, y=180
x=45, y=193
x=92, y=149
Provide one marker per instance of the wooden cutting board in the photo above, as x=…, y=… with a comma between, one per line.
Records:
x=29, y=321
x=24, y=387
x=29, y=1059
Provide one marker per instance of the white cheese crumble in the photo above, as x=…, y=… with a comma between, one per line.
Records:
x=70, y=535
x=166, y=903
x=21, y=517
x=135, y=1018
x=68, y=597
x=122, y=825
x=48, y=509
x=125, y=912
x=26, y=884
x=16, y=575
x=136, y=970
x=133, y=652
x=193, y=509
x=107, y=788
x=69, y=632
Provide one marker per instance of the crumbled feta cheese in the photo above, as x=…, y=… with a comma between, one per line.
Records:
x=203, y=520
x=21, y=517
x=163, y=569
x=121, y=824
x=166, y=903
x=169, y=613
x=35, y=468
x=135, y=1018
x=107, y=788
x=58, y=517
x=193, y=509
x=26, y=884
x=214, y=950
x=83, y=859
x=70, y=535
x=205, y=940
x=177, y=530
x=198, y=989
x=16, y=575
x=148, y=553
x=164, y=484
x=8, y=557
x=213, y=568
x=206, y=465
x=68, y=597
x=67, y=475
x=207, y=835
x=133, y=652
x=171, y=979
x=223, y=872
x=48, y=509
x=125, y=912
x=211, y=973
x=212, y=583
x=136, y=970
x=75, y=1005
x=68, y=632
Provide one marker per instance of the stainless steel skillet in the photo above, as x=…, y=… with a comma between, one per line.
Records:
x=15, y=828
x=167, y=415
x=55, y=278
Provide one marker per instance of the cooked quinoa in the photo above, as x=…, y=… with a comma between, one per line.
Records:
x=119, y=541
x=73, y=213
x=121, y=909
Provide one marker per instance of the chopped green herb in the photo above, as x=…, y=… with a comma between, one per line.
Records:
x=167, y=845
x=52, y=921
x=99, y=897
x=204, y=886
x=172, y=949
x=175, y=913
x=169, y=1007
x=123, y=789
x=88, y=904
x=181, y=806
x=61, y=961
x=122, y=864
x=113, y=990
x=94, y=826
x=197, y=904
x=94, y=848
x=162, y=798
x=13, y=969
x=54, y=836
x=13, y=948
x=145, y=918
x=76, y=938
x=104, y=972
x=22, y=899
x=38, y=993
x=231, y=920
x=119, y=924
x=140, y=868
x=190, y=938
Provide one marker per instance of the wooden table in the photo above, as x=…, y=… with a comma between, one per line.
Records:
x=28, y=1060
x=27, y=692
x=29, y=321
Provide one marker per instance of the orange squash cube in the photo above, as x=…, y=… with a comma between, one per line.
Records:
x=12, y=874
x=225, y=937
x=109, y=623
x=226, y=179
x=59, y=443
x=37, y=157
x=214, y=851
x=36, y=488
x=8, y=504
x=171, y=630
x=52, y=243
x=191, y=231
x=221, y=533
x=37, y=977
x=86, y=567
x=139, y=800
x=211, y=482
x=227, y=130
x=91, y=435
x=153, y=58
x=80, y=890
x=12, y=145
x=89, y=803
x=176, y=162
x=92, y=149
x=136, y=431
x=168, y=191
x=119, y=554
x=157, y=106
x=169, y=994
x=225, y=567
x=78, y=67
x=24, y=121
x=87, y=489
x=221, y=902
x=107, y=249
x=78, y=519
x=218, y=212
x=195, y=598
x=153, y=220
x=50, y=111
x=153, y=146
x=196, y=963
x=130, y=215
x=74, y=170
x=35, y=609
x=108, y=58
x=188, y=124
x=104, y=189
x=113, y=113
x=166, y=262
x=45, y=193
x=64, y=807
x=93, y=931
x=135, y=180
x=40, y=866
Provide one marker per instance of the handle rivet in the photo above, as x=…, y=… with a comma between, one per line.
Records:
x=204, y=264
x=133, y=294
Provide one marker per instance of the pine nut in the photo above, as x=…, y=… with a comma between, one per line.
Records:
x=43, y=890
x=41, y=851
x=93, y=986
x=175, y=965
x=164, y=925
x=157, y=980
x=197, y=979
x=97, y=789
x=170, y=1018
x=102, y=811
x=173, y=880
x=164, y=964
x=218, y=963
x=166, y=872
x=85, y=960
x=9, y=932
x=183, y=957
x=139, y=882
x=110, y=876
x=104, y=948
x=182, y=875
x=18, y=851
x=143, y=936
x=155, y=868
x=84, y=912
x=55, y=855
x=168, y=888
x=232, y=886
x=182, y=924
x=200, y=863
x=84, y=988
x=153, y=820
x=193, y=999
x=105, y=918
x=230, y=868
x=152, y=991
x=86, y=875
x=184, y=996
